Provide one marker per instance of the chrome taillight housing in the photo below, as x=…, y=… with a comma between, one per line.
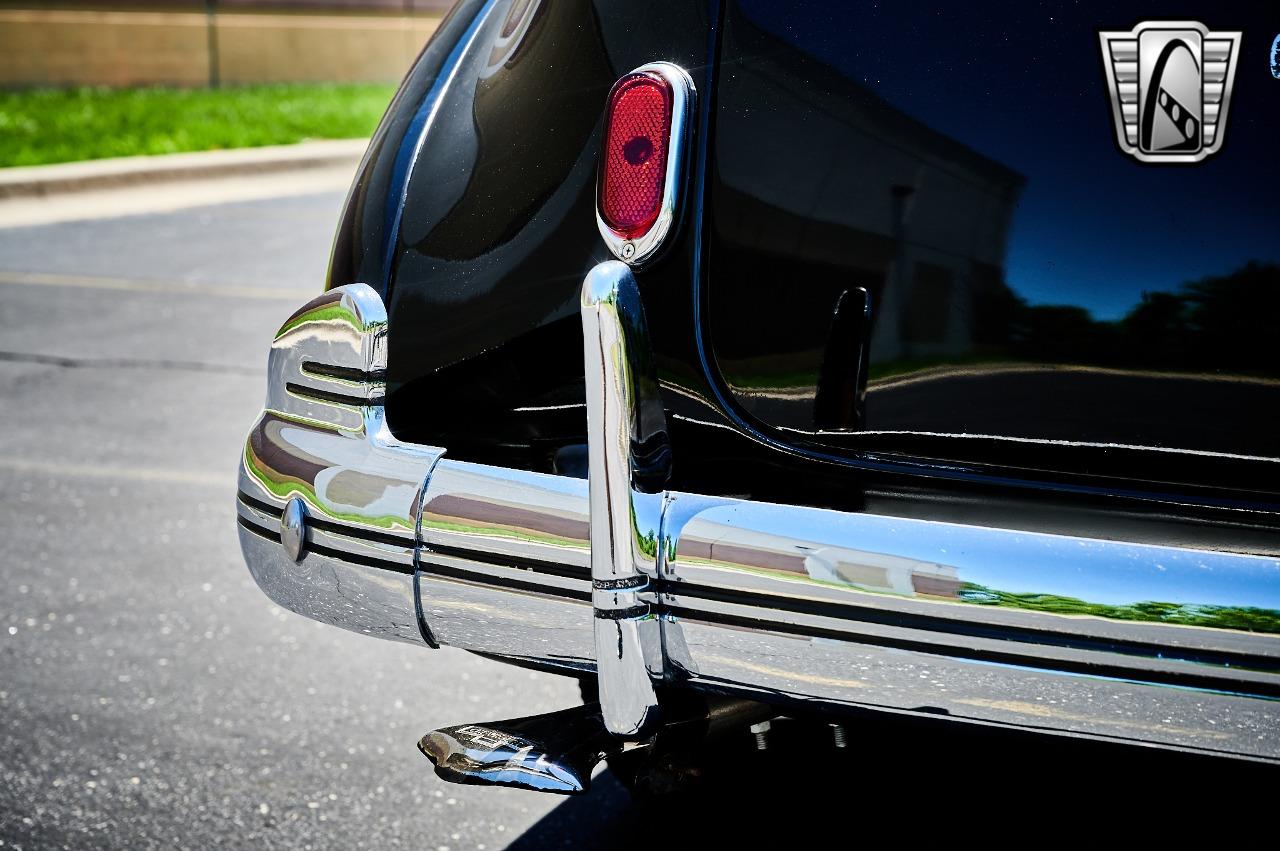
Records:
x=642, y=159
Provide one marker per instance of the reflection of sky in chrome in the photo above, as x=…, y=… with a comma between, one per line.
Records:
x=1030, y=563
x=1091, y=219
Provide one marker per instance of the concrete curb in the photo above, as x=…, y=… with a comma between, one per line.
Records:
x=43, y=180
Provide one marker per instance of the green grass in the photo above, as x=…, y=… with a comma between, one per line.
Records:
x=64, y=125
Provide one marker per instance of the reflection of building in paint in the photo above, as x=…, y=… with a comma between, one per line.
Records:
x=922, y=219
x=949, y=227
x=837, y=192
x=859, y=198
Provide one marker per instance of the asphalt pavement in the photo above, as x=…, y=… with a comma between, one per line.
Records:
x=150, y=694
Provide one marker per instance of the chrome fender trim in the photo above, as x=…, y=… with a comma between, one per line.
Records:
x=1170, y=646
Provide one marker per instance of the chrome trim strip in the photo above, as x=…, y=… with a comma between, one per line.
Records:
x=641, y=250
x=1168, y=645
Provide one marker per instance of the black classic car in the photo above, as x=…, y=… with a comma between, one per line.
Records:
x=761, y=358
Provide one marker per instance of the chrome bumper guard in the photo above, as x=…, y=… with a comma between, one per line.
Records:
x=615, y=575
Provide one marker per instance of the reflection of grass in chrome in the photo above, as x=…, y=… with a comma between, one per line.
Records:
x=294, y=487
x=1244, y=618
x=502, y=532
x=325, y=313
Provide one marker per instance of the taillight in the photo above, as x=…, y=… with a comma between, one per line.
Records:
x=642, y=159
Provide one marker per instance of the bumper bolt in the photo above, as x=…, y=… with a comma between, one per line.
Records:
x=761, y=732
x=837, y=735
x=293, y=528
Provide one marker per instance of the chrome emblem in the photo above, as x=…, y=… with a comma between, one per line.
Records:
x=1170, y=84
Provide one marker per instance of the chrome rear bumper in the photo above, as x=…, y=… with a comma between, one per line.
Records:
x=1162, y=645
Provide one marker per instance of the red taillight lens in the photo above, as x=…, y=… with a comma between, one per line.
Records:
x=633, y=162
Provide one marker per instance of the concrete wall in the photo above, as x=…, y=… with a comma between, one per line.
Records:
x=138, y=48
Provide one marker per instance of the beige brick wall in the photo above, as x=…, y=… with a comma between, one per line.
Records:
x=56, y=47
x=280, y=48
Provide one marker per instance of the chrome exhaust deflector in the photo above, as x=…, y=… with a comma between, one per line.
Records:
x=1164, y=645
x=557, y=752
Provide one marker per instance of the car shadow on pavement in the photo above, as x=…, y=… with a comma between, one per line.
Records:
x=928, y=777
